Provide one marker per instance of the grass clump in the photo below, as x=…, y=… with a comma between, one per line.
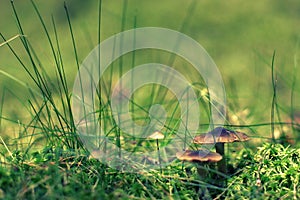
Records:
x=53, y=173
x=47, y=174
x=271, y=173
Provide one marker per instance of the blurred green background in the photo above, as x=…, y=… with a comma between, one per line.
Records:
x=240, y=36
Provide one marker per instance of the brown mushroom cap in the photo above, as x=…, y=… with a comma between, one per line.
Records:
x=198, y=155
x=156, y=136
x=220, y=135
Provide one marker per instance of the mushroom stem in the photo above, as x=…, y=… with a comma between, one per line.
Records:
x=159, y=159
x=202, y=171
x=222, y=163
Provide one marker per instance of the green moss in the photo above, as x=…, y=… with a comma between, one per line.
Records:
x=273, y=172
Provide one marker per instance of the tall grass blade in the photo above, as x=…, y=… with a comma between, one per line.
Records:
x=124, y=12
x=11, y=39
x=294, y=81
x=274, y=85
x=132, y=66
x=1, y=108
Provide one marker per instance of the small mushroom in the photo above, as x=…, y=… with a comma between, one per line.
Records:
x=201, y=157
x=157, y=135
x=219, y=136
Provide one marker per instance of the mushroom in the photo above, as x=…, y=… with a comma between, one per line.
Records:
x=219, y=136
x=157, y=135
x=200, y=156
